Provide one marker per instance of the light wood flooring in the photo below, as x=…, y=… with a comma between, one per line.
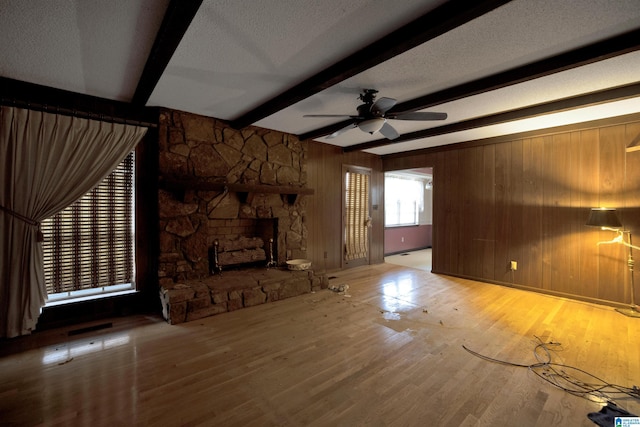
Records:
x=420, y=259
x=388, y=353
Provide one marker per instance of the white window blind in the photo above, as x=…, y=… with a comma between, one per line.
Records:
x=89, y=246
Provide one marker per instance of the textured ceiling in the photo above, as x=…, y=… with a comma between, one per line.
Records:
x=92, y=47
x=237, y=55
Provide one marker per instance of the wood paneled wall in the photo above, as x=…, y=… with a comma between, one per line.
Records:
x=527, y=198
x=324, y=208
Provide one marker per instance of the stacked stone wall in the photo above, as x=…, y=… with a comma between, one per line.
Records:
x=203, y=149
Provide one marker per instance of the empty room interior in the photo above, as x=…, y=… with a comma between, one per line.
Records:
x=278, y=213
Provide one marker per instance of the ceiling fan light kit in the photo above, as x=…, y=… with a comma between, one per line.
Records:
x=372, y=117
x=372, y=126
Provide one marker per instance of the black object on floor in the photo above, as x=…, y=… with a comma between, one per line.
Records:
x=607, y=415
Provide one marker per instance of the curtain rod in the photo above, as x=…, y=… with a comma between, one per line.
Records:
x=74, y=113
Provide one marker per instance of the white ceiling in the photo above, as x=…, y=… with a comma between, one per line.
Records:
x=238, y=54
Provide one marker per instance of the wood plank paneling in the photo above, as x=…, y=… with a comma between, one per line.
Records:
x=324, y=225
x=531, y=222
x=452, y=228
x=576, y=215
x=437, y=208
x=487, y=229
x=612, y=257
x=527, y=199
x=471, y=210
x=323, y=172
x=514, y=237
x=630, y=217
x=502, y=212
x=556, y=201
x=588, y=265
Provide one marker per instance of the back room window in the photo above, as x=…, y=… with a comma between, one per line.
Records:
x=403, y=200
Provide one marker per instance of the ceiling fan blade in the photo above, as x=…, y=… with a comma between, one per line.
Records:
x=343, y=130
x=418, y=115
x=382, y=105
x=388, y=131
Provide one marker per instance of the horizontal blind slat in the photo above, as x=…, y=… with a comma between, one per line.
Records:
x=90, y=243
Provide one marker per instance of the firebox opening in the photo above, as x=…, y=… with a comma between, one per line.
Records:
x=243, y=243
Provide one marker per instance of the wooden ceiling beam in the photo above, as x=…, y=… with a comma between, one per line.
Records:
x=565, y=104
x=174, y=25
x=444, y=18
x=43, y=98
x=595, y=52
x=614, y=46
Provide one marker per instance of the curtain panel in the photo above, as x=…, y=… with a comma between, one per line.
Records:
x=48, y=162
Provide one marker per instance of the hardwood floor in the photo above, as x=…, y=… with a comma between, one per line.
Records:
x=420, y=259
x=389, y=352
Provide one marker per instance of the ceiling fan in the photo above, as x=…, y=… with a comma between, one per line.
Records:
x=372, y=116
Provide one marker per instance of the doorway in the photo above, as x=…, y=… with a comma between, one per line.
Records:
x=356, y=216
x=409, y=216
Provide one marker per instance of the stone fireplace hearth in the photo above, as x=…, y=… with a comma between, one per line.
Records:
x=232, y=290
x=221, y=184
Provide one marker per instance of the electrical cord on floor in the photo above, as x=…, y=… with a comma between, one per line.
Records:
x=558, y=375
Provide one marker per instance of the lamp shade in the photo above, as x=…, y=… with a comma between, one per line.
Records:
x=603, y=217
x=372, y=125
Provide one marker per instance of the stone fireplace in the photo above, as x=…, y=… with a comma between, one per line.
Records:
x=225, y=186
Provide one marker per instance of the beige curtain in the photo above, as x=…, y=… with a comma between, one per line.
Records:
x=48, y=161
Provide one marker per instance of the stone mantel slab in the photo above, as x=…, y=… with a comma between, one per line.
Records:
x=179, y=186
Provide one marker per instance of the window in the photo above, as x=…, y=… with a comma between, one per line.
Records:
x=89, y=247
x=403, y=201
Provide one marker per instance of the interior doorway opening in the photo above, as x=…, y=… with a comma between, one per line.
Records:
x=409, y=215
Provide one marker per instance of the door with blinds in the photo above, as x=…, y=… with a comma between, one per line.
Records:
x=356, y=215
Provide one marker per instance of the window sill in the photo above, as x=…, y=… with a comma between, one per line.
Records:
x=102, y=295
